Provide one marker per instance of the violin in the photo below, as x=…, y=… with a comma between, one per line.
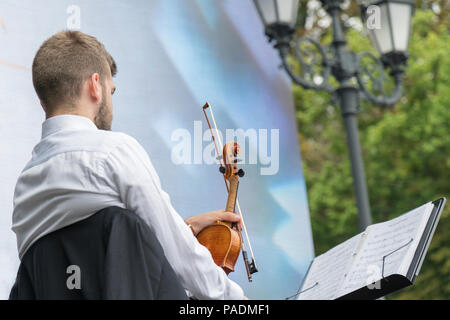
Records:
x=222, y=238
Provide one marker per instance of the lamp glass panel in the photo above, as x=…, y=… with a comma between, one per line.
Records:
x=401, y=23
x=267, y=11
x=287, y=10
x=381, y=33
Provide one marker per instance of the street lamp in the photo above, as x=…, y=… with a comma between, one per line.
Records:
x=389, y=24
x=392, y=35
x=279, y=17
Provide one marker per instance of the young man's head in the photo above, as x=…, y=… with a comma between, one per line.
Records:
x=72, y=74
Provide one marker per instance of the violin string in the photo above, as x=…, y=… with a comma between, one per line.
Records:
x=237, y=201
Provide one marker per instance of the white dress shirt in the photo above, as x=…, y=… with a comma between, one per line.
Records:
x=76, y=170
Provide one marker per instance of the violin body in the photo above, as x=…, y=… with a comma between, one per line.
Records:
x=223, y=242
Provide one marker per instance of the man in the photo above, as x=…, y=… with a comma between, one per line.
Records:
x=80, y=167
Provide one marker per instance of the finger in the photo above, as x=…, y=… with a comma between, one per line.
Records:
x=229, y=216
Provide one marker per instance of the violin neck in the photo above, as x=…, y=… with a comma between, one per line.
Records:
x=232, y=195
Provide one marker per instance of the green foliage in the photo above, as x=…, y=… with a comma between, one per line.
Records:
x=405, y=149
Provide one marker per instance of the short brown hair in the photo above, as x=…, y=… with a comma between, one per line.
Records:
x=64, y=62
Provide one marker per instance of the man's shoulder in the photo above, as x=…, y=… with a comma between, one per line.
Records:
x=113, y=144
x=119, y=137
x=112, y=140
x=120, y=149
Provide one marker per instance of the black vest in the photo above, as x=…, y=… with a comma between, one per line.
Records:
x=111, y=255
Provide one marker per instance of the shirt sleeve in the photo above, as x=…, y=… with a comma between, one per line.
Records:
x=131, y=172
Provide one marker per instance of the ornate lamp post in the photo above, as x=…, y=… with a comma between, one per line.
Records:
x=390, y=36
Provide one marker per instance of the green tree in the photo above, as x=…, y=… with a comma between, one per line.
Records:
x=405, y=149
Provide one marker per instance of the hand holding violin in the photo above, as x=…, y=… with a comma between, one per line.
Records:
x=199, y=222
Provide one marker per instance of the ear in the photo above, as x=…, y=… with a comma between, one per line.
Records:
x=94, y=87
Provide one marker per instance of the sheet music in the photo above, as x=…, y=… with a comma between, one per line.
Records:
x=328, y=271
x=396, y=239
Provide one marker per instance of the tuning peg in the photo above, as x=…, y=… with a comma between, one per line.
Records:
x=222, y=169
x=240, y=173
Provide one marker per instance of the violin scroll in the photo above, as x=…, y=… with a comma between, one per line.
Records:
x=231, y=151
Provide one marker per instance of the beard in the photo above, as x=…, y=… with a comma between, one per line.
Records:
x=103, y=118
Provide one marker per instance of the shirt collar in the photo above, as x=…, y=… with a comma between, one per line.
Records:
x=66, y=122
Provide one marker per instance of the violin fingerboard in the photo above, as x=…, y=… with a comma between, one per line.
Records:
x=232, y=194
